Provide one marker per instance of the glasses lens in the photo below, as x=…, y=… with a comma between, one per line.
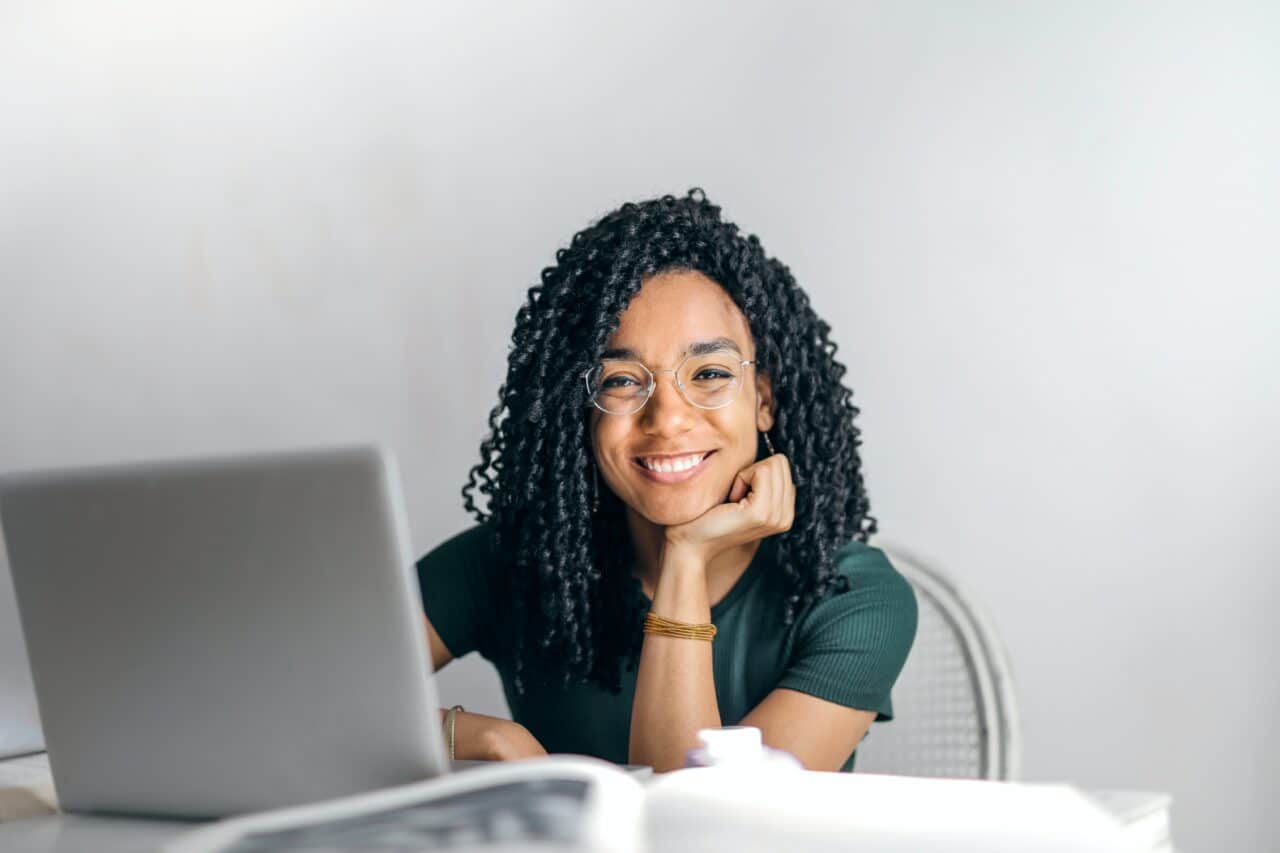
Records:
x=711, y=380
x=618, y=386
x=622, y=387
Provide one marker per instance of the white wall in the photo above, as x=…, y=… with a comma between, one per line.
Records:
x=1040, y=234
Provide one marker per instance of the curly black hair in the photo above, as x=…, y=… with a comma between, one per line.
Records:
x=566, y=593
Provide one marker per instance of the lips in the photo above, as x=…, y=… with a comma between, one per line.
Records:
x=673, y=476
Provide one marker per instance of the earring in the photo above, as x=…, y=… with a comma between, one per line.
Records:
x=595, y=490
x=767, y=442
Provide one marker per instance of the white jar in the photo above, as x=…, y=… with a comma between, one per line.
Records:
x=738, y=746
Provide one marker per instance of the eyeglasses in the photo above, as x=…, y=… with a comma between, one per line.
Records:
x=710, y=381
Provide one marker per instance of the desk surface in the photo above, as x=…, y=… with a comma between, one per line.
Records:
x=63, y=833
x=67, y=833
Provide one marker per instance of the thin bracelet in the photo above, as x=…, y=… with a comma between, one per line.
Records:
x=450, y=722
x=655, y=624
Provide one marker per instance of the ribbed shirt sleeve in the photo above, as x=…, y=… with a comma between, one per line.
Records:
x=457, y=594
x=851, y=646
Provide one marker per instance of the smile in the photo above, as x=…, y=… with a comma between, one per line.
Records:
x=673, y=470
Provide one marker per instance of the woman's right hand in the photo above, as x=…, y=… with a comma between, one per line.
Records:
x=492, y=738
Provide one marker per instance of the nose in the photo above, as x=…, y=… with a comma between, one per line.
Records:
x=667, y=412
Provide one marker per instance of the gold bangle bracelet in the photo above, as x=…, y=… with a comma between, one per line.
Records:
x=655, y=624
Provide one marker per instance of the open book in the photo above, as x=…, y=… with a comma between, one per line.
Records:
x=566, y=802
x=580, y=803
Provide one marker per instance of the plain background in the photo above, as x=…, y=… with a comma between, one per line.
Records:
x=1045, y=238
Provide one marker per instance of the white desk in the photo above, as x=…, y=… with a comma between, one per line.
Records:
x=64, y=833
x=67, y=833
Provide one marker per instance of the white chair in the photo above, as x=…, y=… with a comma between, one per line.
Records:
x=955, y=713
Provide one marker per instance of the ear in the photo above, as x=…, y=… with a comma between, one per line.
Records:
x=764, y=401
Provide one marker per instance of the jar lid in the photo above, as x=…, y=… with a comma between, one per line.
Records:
x=731, y=743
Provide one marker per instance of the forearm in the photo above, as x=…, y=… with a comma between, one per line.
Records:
x=675, y=689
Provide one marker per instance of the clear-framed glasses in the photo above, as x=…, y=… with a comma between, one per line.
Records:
x=710, y=381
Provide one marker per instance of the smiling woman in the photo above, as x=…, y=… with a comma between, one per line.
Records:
x=677, y=527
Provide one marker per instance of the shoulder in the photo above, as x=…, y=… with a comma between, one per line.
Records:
x=465, y=564
x=878, y=604
x=851, y=644
x=868, y=567
x=470, y=545
x=457, y=581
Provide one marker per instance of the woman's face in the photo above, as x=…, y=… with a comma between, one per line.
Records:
x=671, y=313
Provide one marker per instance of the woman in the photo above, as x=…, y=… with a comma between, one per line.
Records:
x=672, y=438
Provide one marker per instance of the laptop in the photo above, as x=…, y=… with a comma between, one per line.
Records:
x=215, y=636
x=19, y=719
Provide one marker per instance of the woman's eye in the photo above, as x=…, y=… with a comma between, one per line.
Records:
x=616, y=381
x=710, y=373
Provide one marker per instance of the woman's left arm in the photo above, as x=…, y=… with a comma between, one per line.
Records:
x=675, y=690
x=676, y=695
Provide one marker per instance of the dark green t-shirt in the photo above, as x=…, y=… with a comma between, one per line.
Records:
x=847, y=648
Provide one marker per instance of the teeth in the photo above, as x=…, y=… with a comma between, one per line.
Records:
x=681, y=463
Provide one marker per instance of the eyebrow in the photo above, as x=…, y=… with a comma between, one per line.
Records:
x=697, y=348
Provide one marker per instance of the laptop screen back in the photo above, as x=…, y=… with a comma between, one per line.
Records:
x=209, y=637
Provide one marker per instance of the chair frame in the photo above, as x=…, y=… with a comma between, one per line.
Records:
x=985, y=654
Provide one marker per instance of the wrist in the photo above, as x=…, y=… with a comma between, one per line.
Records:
x=509, y=741
x=683, y=557
x=492, y=745
x=681, y=591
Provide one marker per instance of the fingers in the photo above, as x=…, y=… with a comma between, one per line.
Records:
x=788, y=504
x=767, y=492
x=782, y=494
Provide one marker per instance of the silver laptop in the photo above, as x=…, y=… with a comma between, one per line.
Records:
x=210, y=637
x=19, y=721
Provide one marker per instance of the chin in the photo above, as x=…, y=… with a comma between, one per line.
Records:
x=678, y=512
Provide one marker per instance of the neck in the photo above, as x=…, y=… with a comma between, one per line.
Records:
x=648, y=542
